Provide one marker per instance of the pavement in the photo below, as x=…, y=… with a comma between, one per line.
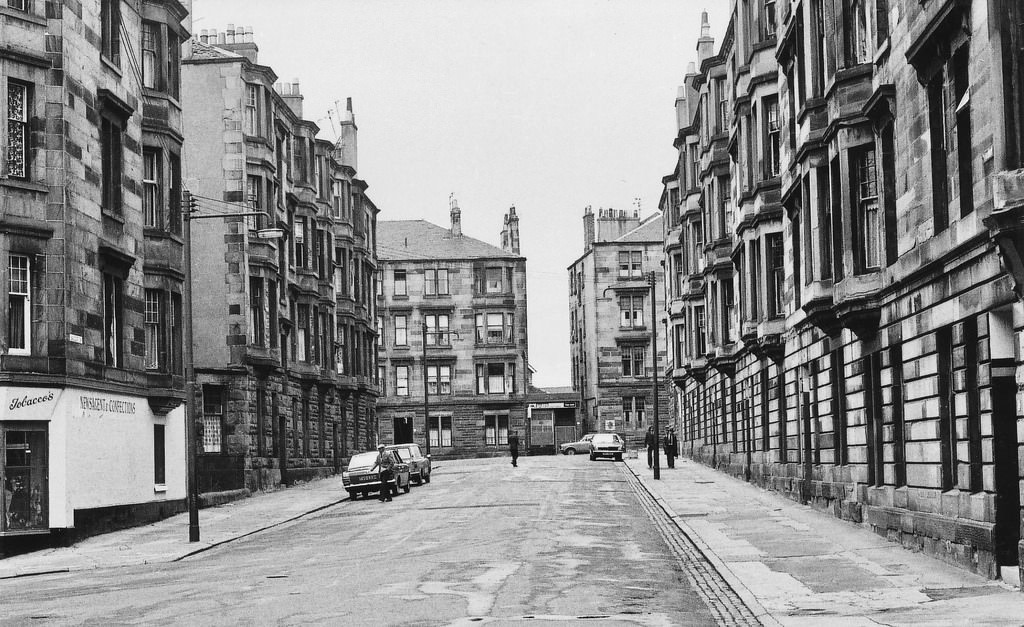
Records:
x=793, y=565
x=790, y=564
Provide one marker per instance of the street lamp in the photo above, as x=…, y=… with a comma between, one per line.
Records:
x=188, y=208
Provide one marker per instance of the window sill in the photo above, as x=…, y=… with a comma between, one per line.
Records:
x=25, y=16
x=25, y=185
x=160, y=488
x=110, y=65
x=110, y=215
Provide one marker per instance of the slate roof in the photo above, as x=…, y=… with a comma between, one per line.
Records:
x=406, y=240
x=206, y=51
x=650, y=230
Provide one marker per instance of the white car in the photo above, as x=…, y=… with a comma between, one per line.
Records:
x=578, y=447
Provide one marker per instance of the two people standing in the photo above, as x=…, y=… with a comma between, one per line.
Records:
x=671, y=446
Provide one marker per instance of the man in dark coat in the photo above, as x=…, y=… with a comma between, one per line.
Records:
x=671, y=447
x=513, y=446
x=651, y=442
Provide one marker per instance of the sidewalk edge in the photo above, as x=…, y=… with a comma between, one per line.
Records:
x=731, y=578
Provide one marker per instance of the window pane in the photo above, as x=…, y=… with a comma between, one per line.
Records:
x=17, y=136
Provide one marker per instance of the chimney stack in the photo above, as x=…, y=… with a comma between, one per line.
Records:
x=706, y=43
x=510, y=232
x=588, y=229
x=346, y=150
x=456, y=213
x=237, y=39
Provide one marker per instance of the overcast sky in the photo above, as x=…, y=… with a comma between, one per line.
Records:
x=546, y=105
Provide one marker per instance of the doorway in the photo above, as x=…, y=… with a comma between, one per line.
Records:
x=402, y=429
x=24, y=501
x=1007, y=470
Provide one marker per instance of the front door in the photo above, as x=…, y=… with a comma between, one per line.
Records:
x=403, y=430
x=23, y=506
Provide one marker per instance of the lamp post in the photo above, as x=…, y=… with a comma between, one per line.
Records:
x=188, y=208
x=654, y=358
x=426, y=391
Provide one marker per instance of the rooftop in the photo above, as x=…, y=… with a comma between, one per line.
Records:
x=407, y=240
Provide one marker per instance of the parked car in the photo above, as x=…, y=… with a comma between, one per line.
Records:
x=579, y=447
x=362, y=476
x=607, y=445
x=419, y=465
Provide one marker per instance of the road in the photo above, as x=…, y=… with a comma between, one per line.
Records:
x=557, y=540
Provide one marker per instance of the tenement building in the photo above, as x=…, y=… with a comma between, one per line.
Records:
x=91, y=388
x=855, y=161
x=283, y=300
x=611, y=320
x=453, y=341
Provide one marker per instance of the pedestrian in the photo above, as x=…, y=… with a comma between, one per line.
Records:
x=671, y=447
x=386, y=463
x=651, y=441
x=513, y=447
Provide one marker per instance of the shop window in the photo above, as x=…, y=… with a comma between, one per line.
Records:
x=18, y=137
x=19, y=305
x=495, y=429
x=23, y=502
x=440, y=431
x=213, y=418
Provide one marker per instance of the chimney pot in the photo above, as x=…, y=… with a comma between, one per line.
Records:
x=222, y=38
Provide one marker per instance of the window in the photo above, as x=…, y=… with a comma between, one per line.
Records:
x=633, y=361
x=252, y=109
x=859, y=47
x=773, y=128
x=19, y=309
x=213, y=418
x=20, y=5
x=493, y=283
x=381, y=377
x=440, y=431
x=17, y=130
x=110, y=20
x=630, y=264
x=490, y=378
x=401, y=380
x=302, y=334
x=723, y=106
x=677, y=267
x=437, y=330
x=150, y=54
x=159, y=456
x=154, y=330
x=172, y=76
x=257, y=306
x=631, y=312
x=112, y=156
x=865, y=203
x=776, y=275
x=113, y=306
x=700, y=336
x=495, y=429
x=769, y=25
x=962, y=119
x=401, y=288
x=495, y=328
x=439, y=379
x=436, y=282
x=633, y=410
x=151, y=188
x=253, y=201
x=174, y=323
x=301, y=258
x=174, y=194
x=402, y=330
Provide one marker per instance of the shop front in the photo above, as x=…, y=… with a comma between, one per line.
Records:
x=71, y=456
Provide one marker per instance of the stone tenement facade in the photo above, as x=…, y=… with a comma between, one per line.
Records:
x=610, y=323
x=846, y=307
x=284, y=343
x=466, y=300
x=91, y=387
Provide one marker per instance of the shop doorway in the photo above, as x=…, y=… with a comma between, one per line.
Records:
x=1007, y=470
x=23, y=504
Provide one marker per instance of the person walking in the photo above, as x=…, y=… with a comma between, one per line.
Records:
x=386, y=463
x=671, y=447
x=513, y=447
x=651, y=442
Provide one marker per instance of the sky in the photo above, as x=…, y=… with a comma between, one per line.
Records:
x=549, y=106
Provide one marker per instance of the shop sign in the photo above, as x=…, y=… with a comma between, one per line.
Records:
x=97, y=406
x=22, y=403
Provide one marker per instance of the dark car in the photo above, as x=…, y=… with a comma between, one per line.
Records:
x=419, y=465
x=362, y=476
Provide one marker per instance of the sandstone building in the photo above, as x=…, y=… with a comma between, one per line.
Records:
x=452, y=321
x=848, y=320
x=610, y=323
x=91, y=382
x=284, y=340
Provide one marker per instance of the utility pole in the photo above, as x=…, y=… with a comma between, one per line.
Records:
x=192, y=498
x=426, y=389
x=654, y=358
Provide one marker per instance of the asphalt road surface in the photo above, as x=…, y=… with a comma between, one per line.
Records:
x=558, y=540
